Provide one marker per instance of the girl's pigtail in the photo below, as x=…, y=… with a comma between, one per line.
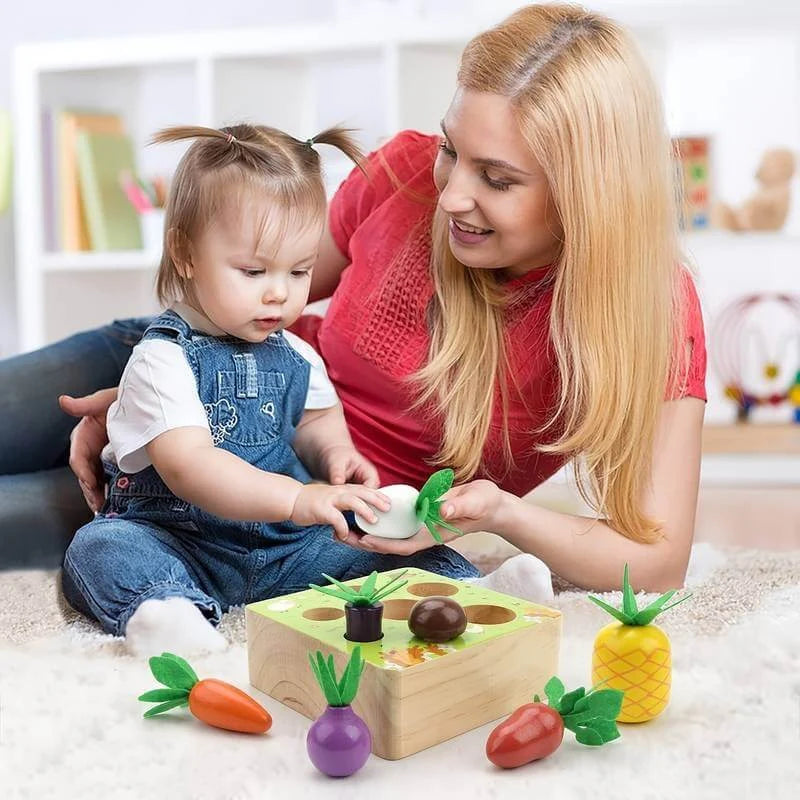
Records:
x=181, y=132
x=341, y=139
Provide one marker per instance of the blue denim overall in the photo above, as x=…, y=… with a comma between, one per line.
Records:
x=148, y=543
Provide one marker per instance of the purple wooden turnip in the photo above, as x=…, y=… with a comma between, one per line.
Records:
x=339, y=742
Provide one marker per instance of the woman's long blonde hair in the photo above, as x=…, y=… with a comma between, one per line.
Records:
x=588, y=108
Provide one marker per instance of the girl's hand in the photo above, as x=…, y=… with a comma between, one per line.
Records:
x=344, y=464
x=319, y=503
x=470, y=507
x=87, y=440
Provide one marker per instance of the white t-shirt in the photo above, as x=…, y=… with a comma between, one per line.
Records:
x=158, y=393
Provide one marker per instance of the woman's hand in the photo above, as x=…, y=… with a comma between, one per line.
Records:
x=87, y=440
x=344, y=464
x=470, y=507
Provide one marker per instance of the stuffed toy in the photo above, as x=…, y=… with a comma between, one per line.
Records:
x=767, y=208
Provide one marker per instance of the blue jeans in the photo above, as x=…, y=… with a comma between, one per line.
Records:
x=41, y=505
x=114, y=564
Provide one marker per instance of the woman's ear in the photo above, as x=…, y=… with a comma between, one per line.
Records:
x=180, y=252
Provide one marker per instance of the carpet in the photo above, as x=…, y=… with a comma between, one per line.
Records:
x=71, y=727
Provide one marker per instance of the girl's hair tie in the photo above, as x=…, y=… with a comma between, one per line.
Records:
x=310, y=142
x=230, y=138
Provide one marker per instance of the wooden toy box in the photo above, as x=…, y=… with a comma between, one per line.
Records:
x=413, y=694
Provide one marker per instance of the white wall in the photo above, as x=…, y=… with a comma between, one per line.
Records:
x=50, y=20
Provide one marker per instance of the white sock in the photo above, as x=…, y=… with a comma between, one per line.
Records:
x=522, y=576
x=175, y=625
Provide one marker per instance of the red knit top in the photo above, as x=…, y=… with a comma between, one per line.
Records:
x=374, y=332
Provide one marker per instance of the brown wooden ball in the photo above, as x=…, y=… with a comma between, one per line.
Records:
x=437, y=619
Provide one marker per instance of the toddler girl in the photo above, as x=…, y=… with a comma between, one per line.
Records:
x=223, y=417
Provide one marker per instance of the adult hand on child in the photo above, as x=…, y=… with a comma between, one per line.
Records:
x=320, y=503
x=87, y=440
x=344, y=464
x=469, y=507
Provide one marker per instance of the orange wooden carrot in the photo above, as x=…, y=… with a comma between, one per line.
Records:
x=212, y=701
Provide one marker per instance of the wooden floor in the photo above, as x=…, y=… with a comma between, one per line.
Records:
x=761, y=517
x=766, y=518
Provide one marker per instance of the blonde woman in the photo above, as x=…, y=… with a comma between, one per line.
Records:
x=508, y=297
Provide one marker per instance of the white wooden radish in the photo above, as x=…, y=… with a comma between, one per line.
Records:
x=412, y=509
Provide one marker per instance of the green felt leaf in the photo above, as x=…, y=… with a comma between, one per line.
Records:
x=607, y=728
x=554, y=689
x=567, y=702
x=437, y=537
x=160, y=709
x=351, y=677
x=315, y=671
x=343, y=586
x=654, y=608
x=442, y=524
x=388, y=590
x=161, y=695
x=437, y=485
x=337, y=593
x=422, y=509
x=171, y=673
x=647, y=615
x=572, y=722
x=589, y=736
x=369, y=583
x=602, y=705
x=328, y=680
x=342, y=684
x=606, y=703
x=579, y=719
x=677, y=602
x=628, y=597
x=581, y=704
x=394, y=580
x=615, y=612
x=183, y=663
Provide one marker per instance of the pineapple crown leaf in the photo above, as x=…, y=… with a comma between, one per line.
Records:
x=426, y=508
x=630, y=614
x=367, y=594
x=342, y=692
x=179, y=678
x=591, y=715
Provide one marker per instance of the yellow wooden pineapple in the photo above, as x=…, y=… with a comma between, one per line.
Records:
x=634, y=656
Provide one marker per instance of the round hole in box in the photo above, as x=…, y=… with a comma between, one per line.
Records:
x=489, y=615
x=432, y=589
x=397, y=609
x=323, y=613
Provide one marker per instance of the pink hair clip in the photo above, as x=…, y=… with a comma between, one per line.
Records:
x=230, y=138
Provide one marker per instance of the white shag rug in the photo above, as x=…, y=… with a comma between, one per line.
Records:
x=71, y=727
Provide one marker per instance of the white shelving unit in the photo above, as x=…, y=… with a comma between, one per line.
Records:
x=297, y=79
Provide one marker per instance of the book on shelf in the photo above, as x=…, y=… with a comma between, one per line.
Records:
x=111, y=221
x=73, y=228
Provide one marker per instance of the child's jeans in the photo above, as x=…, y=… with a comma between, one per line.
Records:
x=115, y=564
